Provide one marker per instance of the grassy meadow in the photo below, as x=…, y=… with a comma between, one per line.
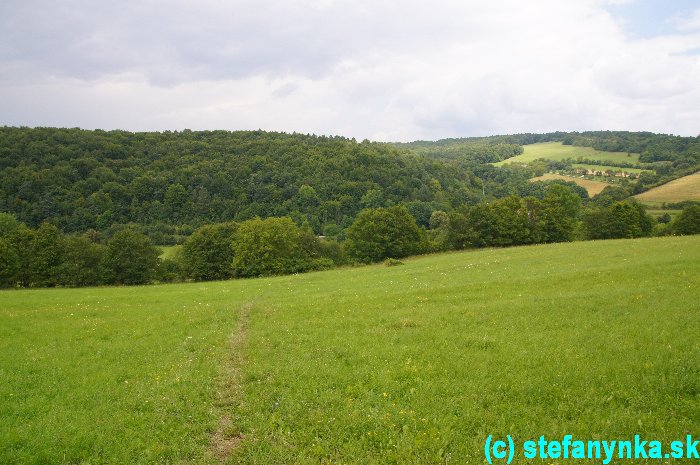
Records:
x=606, y=167
x=559, y=151
x=169, y=251
x=408, y=364
x=685, y=188
x=591, y=186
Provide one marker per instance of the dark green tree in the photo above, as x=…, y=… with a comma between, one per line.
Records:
x=622, y=220
x=23, y=239
x=130, y=258
x=80, y=264
x=559, y=215
x=459, y=234
x=381, y=233
x=8, y=224
x=9, y=264
x=45, y=256
x=268, y=247
x=208, y=253
x=688, y=222
x=501, y=223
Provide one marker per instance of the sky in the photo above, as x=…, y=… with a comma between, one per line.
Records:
x=382, y=70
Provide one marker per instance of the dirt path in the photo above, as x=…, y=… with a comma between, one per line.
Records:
x=227, y=438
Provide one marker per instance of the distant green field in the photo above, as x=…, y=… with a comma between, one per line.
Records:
x=408, y=364
x=169, y=251
x=659, y=212
x=678, y=190
x=559, y=151
x=591, y=186
x=606, y=167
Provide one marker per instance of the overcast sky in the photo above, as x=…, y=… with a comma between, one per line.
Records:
x=382, y=70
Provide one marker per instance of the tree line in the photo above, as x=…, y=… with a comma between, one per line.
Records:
x=45, y=257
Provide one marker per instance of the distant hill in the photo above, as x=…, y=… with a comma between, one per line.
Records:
x=558, y=151
x=653, y=159
x=172, y=182
x=678, y=190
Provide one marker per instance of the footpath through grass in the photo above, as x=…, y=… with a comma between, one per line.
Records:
x=408, y=364
x=113, y=375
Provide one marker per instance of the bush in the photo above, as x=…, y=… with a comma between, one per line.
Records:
x=688, y=222
x=9, y=264
x=272, y=246
x=169, y=271
x=622, y=220
x=130, y=258
x=80, y=265
x=381, y=233
x=208, y=254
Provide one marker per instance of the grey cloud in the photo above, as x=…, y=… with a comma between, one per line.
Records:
x=174, y=42
x=364, y=68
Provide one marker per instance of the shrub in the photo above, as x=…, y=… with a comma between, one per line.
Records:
x=80, y=265
x=619, y=221
x=271, y=246
x=381, y=233
x=688, y=222
x=207, y=254
x=130, y=258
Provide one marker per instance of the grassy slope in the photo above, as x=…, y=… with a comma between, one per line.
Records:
x=169, y=251
x=685, y=188
x=112, y=375
x=606, y=167
x=558, y=151
x=415, y=363
x=593, y=187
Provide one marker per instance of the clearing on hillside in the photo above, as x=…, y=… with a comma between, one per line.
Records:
x=593, y=187
x=559, y=151
x=169, y=251
x=416, y=364
x=685, y=188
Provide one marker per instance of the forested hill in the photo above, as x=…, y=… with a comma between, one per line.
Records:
x=489, y=149
x=682, y=153
x=172, y=182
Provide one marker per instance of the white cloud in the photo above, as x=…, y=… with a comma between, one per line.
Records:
x=690, y=22
x=381, y=69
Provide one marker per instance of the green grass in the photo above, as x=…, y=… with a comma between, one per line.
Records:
x=685, y=188
x=409, y=364
x=169, y=251
x=112, y=375
x=558, y=151
x=593, y=187
x=660, y=212
x=606, y=167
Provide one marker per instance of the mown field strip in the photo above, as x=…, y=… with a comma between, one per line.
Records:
x=592, y=187
x=678, y=190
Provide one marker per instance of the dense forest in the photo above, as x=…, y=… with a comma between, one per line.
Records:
x=84, y=207
x=170, y=183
